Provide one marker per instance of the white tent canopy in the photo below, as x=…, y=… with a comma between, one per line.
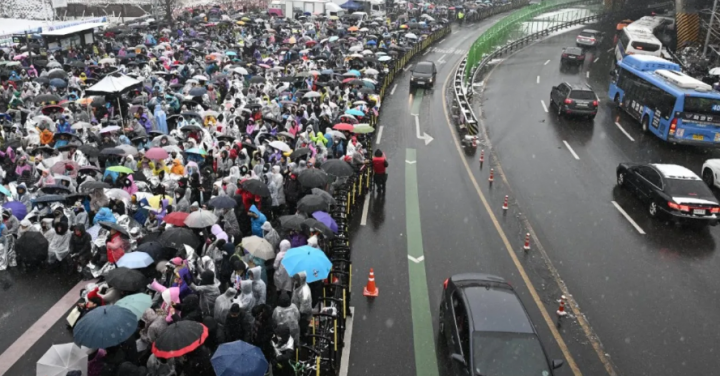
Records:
x=62, y=358
x=112, y=85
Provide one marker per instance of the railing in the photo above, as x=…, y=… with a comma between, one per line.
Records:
x=466, y=73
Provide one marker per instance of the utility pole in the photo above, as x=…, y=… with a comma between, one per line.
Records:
x=709, y=28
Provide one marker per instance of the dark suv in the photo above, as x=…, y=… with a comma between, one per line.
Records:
x=423, y=74
x=572, y=99
x=572, y=56
x=487, y=329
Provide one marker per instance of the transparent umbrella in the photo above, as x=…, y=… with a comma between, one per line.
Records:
x=61, y=359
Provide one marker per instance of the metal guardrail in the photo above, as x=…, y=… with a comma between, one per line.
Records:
x=464, y=91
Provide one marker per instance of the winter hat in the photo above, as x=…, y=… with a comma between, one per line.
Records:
x=207, y=277
x=177, y=261
x=235, y=308
x=284, y=300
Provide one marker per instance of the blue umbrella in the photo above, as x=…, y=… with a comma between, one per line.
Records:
x=58, y=82
x=333, y=38
x=105, y=327
x=307, y=259
x=239, y=359
x=231, y=53
x=19, y=210
x=355, y=72
x=5, y=191
x=136, y=303
x=196, y=151
x=372, y=43
x=324, y=71
x=354, y=112
x=326, y=219
x=135, y=260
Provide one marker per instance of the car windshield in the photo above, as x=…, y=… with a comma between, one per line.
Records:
x=688, y=188
x=423, y=68
x=574, y=51
x=582, y=95
x=587, y=35
x=508, y=354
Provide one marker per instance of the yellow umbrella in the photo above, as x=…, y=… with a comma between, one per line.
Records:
x=334, y=18
x=403, y=26
x=241, y=23
x=292, y=40
x=245, y=19
x=154, y=201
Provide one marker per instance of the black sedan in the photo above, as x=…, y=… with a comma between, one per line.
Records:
x=572, y=56
x=671, y=191
x=487, y=330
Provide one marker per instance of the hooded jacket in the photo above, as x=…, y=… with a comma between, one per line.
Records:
x=177, y=168
x=155, y=324
x=232, y=227
x=208, y=290
x=170, y=296
x=80, y=245
x=302, y=297
x=287, y=315
x=283, y=282
x=238, y=327
x=130, y=188
x=271, y=235
x=259, y=288
x=223, y=304
x=60, y=242
x=246, y=299
x=190, y=308
x=256, y=223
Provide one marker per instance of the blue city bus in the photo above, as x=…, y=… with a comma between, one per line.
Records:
x=668, y=103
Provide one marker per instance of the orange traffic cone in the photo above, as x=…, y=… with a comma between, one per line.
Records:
x=371, y=289
x=561, y=310
x=492, y=175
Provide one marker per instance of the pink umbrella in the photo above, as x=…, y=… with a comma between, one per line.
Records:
x=156, y=154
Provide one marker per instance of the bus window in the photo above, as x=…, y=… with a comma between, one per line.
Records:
x=706, y=106
x=624, y=39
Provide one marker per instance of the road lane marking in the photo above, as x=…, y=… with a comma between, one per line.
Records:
x=624, y=131
x=544, y=106
x=427, y=51
x=406, y=68
x=422, y=322
x=627, y=216
x=442, y=40
x=596, y=59
x=366, y=206
x=456, y=31
x=21, y=346
x=345, y=359
x=416, y=260
x=571, y=150
x=410, y=162
x=610, y=49
x=538, y=79
x=380, y=129
x=416, y=102
x=546, y=63
x=393, y=89
x=521, y=270
x=441, y=61
x=587, y=74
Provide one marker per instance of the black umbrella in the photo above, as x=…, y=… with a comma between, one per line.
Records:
x=179, y=339
x=156, y=250
x=313, y=223
x=57, y=73
x=139, y=176
x=257, y=80
x=292, y=222
x=76, y=64
x=90, y=185
x=49, y=198
x=55, y=190
x=112, y=151
x=312, y=203
x=313, y=178
x=337, y=167
x=89, y=150
x=177, y=237
x=31, y=248
x=113, y=226
x=197, y=92
x=299, y=153
x=47, y=98
x=287, y=79
x=256, y=187
x=125, y=279
x=222, y=202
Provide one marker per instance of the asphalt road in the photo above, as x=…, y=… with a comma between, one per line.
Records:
x=651, y=298
x=457, y=234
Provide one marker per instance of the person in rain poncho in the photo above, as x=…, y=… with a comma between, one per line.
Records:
x=208, y=290
x=287, y=315
x=271, y=235
x=302, y=299
x=257, y=219
x=59, y=243
x=177, y=168
x=259, y=288
x=155, y=324
x=282, y=280
x=161, y=119
x=246, y=299
x=232, y=227
x=222, y=305
x=117, y=244
x=170, y=299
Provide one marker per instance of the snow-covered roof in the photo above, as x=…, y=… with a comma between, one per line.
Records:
x=74, y=29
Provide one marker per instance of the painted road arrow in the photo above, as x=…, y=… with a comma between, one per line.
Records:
x=416, y=260
x=422, y=135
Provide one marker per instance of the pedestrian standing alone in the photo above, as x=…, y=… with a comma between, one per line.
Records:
x=380, y=165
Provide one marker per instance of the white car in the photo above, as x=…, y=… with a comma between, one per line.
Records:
x=711, y=172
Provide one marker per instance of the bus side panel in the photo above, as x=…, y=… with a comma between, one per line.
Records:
x=614, y=90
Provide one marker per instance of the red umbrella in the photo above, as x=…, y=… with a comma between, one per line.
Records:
x=343, y=127
x=67, y=167
x=310, y=43
x=156, y=154
x=349, y=79
x=176, y=218
x=52, y=108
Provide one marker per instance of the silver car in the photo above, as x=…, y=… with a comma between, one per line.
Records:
x=589, y=38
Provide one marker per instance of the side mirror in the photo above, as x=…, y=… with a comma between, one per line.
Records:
x=458, y=358
x=557, y=363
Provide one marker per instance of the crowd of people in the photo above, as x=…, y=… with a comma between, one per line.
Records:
x=201, y=190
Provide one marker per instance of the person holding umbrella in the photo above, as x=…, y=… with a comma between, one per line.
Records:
x=117, y=243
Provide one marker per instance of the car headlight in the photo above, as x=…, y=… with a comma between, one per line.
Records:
x=431, y=79
x=412, y=78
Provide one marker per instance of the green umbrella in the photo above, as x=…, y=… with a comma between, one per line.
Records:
x=121, y=169
x=136, y=303
x=363, y=129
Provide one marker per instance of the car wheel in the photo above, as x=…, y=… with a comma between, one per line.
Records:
x=645, y=123
x=620, y=179
x=708, y=177
x=653, y=209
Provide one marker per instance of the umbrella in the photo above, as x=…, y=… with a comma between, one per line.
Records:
x=307, y=259
x=326, y=219
x=89, y=150
x=128, y=149
x=176, y=218
x=337, y=167
x=343, y=127
x=118, y=194
x=314, y=224
x=105, y=327
x=135, y=260
x=324, y=194
x=196, y=151
x=5, y=191
x=90, y=185
x=177, y=237
x=239, y=359
x=201, y=219
x=299, y=153
x=61, y=359
x=256, y=187
x=61, y=168
x=283, y=147
x=154, y=249
x=125, y=279
x=312, y=94
x=258, y=247
x=179, y=339
x=48, y=199
x=292, y=222
x=197, y=92
x=136, y=303
x=19, y=210
x=157, y=154
x=47, y=98
x=312, y=203
x=354, y=112
x=58, y=82
x=363, y=128
x=222, y=202
x=31, y=247
x=257, y=80
x=313, y=178
x=113, y=151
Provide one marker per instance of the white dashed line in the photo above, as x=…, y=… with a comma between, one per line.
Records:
x=622, y=211
x=538, y=79
x=544, y=106
x=546, y=63
x=427, y=51
x=456, y=31
x=442, y=40
x=587, y=74
x=393, y=90
x=380, y=129
x=366, y=206
x=624, y=131
x=596, y=59
x=571, y=150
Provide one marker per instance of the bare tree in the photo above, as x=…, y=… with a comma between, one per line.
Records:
x=167, y=7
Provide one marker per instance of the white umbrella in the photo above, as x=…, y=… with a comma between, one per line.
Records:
x=117, y=194
x=258, y=247
x=200, y=219
x=338, y=134
x=410, y=36
x=312, y=94
x=356, y=48
x=371, y=71
x=367, y=52
x=172, y=148
x=280, y=146
x=60, y=359
x=129, y=149
x=240, y=70
x=200, y=77
x=109, y=129
x=715, y=71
